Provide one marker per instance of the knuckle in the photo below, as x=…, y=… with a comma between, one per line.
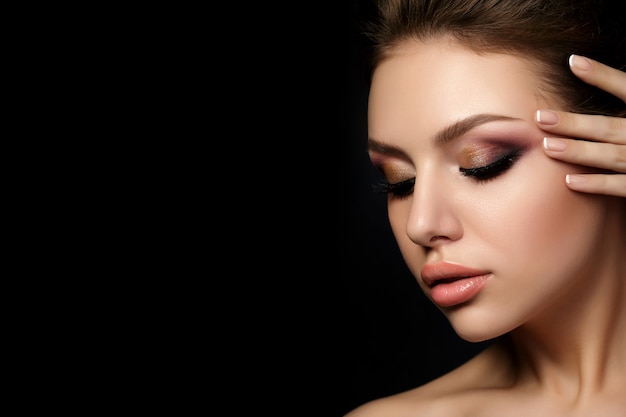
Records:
x=617, y=125
x=568, y=121
x=620, y=158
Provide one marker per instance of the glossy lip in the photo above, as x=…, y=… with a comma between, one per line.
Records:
x=433, y=274
x=452, y=284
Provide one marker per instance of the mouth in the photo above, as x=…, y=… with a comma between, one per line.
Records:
x=446, y=280
x=447, y=272
x=453, y=284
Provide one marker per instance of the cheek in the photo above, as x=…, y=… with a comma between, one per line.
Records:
x=542, y=240
x=533, y=216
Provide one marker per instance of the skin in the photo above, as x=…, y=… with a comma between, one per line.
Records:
x=561, y=249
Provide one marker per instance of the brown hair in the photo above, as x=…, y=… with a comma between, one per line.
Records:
x=546, y=32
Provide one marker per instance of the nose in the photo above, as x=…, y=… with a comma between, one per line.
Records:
x=433, y=218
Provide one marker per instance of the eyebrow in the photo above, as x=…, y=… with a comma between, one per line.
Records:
x=445, y=135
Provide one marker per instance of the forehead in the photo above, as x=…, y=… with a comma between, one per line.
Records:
x=438, y=82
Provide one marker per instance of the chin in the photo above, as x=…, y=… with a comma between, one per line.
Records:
x=476, y=337
x=475, y=332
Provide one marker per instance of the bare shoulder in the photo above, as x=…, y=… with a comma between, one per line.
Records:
x=394, y=407
x=413, y=403
x=452, y=394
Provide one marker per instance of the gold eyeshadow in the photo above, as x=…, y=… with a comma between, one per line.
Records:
x=394, y=174
x=476, y=156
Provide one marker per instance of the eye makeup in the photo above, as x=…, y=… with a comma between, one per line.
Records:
x=397, y=189
x=481, y=154
x=493, y=169
x=486, y=161
x=398, y=181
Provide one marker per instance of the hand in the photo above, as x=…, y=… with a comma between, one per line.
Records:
x=607, y=146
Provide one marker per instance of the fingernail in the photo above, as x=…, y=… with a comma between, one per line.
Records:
x=546, y=117
x=573, y=179
x=579, y=62
x=552, y=144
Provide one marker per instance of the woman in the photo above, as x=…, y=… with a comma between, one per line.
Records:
x=466, y=99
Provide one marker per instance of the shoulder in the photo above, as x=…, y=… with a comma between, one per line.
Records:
x=412, y=403
x=452, y=394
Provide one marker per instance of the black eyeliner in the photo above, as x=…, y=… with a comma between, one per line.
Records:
x=493, y=169
x=401, y=188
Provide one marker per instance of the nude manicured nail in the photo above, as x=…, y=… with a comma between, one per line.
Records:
x=579, y=62
x=575, y=179
x=546, y=117
x=552, y=144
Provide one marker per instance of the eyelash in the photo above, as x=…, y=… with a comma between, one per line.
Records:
x=398, y=189
x=480, y=174
x=494, y=169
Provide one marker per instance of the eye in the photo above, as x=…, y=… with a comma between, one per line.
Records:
x=399, y=189
x=492, y=170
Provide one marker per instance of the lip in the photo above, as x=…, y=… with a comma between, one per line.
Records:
x=433, y=273
x=453, y=284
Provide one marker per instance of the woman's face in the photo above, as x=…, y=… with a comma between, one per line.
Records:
x=481, y=215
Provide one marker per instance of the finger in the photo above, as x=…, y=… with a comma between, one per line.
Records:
x=593, y=127
x=593, y=154
x=598, y=183
x=600, y=75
